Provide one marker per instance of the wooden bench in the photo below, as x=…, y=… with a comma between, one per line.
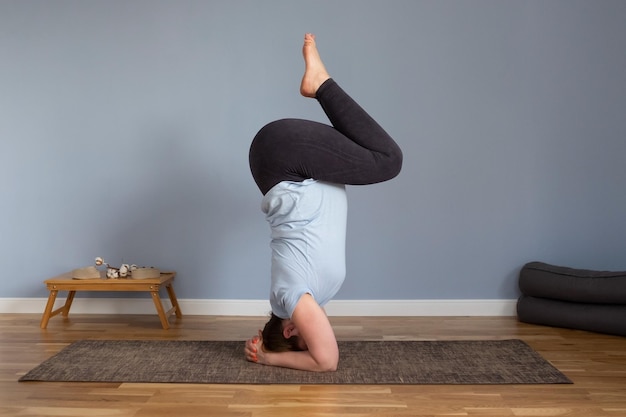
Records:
x=65, y=282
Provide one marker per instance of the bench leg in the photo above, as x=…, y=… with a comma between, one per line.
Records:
x=174, y=300
x=68, y=303
x=160, y=310
x=47, y=313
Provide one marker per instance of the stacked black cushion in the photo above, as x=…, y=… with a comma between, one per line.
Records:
x=573, y=298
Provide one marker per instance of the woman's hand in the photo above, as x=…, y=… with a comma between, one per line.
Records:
x=254, y=349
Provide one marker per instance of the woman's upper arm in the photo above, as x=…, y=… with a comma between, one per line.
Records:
x=314, y=327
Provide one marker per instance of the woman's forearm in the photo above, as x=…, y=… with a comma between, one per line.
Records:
x=302, y=360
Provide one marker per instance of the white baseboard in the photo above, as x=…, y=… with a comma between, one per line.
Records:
x=202, y=307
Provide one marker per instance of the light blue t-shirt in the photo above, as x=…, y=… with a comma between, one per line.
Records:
x=308, y=228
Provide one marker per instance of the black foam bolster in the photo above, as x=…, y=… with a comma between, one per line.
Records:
x=538, y=279
x=601, y=318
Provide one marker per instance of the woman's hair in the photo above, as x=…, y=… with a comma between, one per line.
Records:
x=273, y=339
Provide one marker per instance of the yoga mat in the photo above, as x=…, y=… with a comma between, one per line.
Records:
x=361, y=362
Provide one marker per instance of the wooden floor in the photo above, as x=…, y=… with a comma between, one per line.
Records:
x=596, y=363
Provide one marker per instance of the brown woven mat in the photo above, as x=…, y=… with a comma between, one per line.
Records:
x=361, y=362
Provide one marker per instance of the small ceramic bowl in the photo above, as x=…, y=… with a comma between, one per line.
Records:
x=89, y=272
x=144, y=273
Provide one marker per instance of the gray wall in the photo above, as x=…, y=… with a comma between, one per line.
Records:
x=125, y=128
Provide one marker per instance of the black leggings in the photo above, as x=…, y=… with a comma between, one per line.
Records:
x=355, y=150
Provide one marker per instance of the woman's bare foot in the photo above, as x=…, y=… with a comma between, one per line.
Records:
x=314, y=71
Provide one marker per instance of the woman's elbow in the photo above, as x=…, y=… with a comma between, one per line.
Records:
x=332, y=367
x=328, y=364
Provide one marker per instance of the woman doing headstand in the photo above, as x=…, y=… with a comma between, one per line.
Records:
x=301, y=167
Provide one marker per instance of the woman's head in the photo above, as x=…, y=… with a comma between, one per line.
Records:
x=278, y=336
